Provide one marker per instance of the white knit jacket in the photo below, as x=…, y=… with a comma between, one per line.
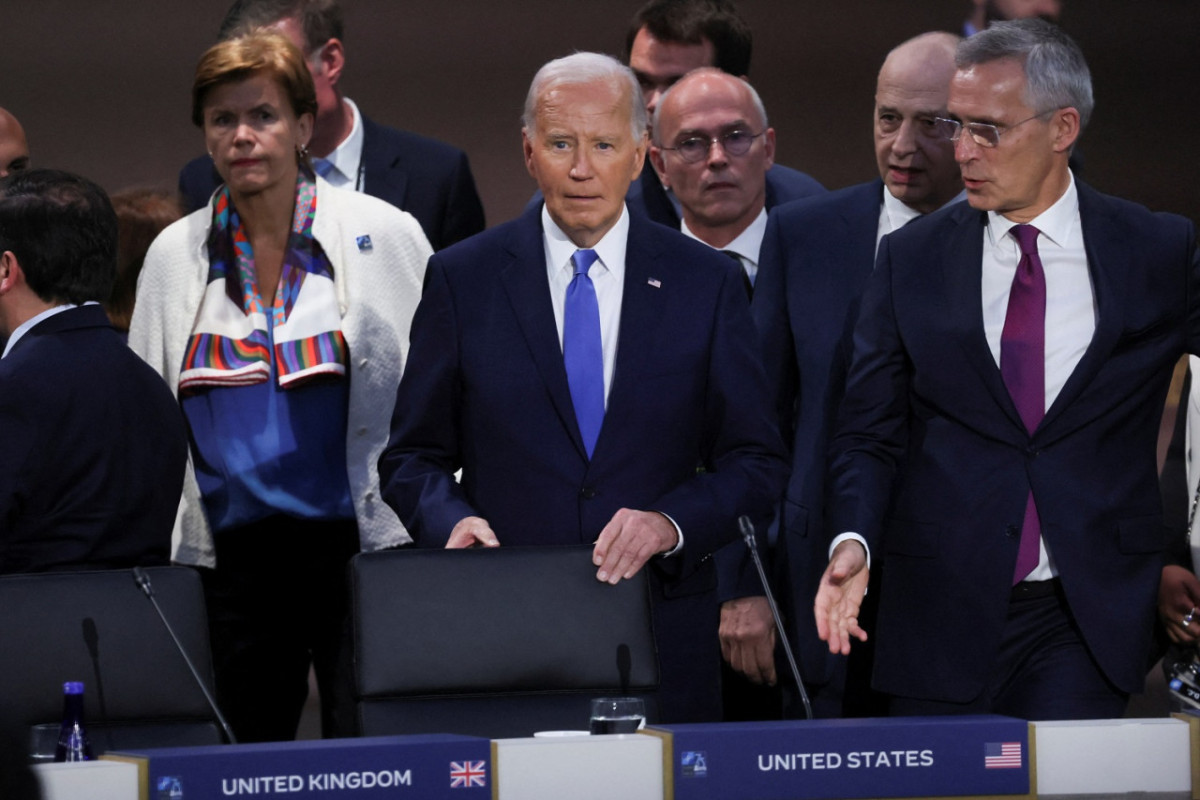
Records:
x=378, y=282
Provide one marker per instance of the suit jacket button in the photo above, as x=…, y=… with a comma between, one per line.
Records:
x=587, y=493
x=1011, y=531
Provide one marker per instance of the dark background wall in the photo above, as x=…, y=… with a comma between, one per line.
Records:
x=102, y=87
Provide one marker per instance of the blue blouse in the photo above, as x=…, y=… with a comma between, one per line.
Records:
x=260, y=450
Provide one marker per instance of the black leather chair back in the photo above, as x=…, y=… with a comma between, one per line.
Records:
x=498, y=642
x=98, y=627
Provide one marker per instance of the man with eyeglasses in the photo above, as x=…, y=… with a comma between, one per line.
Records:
x=816, y=257
x=997, y=436
x=666, y=40
x=429, y=179
x=712, y=148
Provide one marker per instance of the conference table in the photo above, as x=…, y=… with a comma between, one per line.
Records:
x=983, y=756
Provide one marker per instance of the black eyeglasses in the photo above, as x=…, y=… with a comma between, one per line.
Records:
x=982, y=133
x=695, y=148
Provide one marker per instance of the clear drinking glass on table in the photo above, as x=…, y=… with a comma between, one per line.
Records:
x=618, y=715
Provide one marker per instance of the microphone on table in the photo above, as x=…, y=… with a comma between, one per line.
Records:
x=143, y=582
x=747, y=529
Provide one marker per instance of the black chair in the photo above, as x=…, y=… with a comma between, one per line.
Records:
x=497, y=643
x=98, y=627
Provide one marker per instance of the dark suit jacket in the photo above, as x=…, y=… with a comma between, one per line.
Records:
x=429, y=179
x=93, y=450
x=816, y=257
x=647, y=196
x=927, y=422
x=485, y=389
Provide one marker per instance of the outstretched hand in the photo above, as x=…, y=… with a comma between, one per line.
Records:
x=840, y=595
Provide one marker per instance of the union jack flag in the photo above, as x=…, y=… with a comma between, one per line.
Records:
x=1002, y=755
x=465, y=774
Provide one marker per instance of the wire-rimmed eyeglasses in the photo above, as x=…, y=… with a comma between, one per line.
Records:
x=694, y=148
x=982, y=133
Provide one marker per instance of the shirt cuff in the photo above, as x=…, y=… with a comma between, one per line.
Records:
x=678, y=532
x=850, y=535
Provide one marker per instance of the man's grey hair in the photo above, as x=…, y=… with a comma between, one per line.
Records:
x=581, y=68
x=1056, y=74
x=755, y=100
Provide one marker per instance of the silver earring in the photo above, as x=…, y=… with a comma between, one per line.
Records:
x=302, y=151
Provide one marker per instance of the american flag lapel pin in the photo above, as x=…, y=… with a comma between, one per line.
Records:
x=655, y=282
x=364, y=243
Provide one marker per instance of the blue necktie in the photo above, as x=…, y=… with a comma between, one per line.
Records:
x=323, y=167
x=582, y=351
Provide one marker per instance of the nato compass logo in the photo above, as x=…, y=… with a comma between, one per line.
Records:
x=170, y=788
x=693, y=764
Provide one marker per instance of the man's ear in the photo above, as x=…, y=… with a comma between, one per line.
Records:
x=333, y=60
x=11, y=274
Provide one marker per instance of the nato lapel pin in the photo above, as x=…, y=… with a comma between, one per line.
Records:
x=364, y=243
x=655, y=282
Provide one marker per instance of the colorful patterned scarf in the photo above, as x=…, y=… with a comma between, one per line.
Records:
x=229, y=345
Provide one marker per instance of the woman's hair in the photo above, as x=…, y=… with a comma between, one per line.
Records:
x=141, y=216
x=259, y=53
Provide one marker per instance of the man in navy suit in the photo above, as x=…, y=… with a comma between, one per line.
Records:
x=93, y=453
x=996, y=443
x=668, y=39
x=594, y=377
x=816, y=257
x=427, y=178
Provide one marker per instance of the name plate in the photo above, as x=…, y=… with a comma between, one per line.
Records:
x=416, y=767
x=848, y=758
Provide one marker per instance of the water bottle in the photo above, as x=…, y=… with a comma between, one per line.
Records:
x=73, y=742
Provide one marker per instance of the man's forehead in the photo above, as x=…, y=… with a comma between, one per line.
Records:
x=651, y=54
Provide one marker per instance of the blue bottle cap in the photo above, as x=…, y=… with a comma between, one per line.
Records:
x=73, y=687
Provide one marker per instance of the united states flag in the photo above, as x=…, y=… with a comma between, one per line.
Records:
x=1002, y=755
x=465, y=774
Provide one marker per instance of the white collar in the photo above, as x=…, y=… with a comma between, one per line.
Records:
x=1054, y=223
x=747, y=244
x=611, y=247
x=28, y=324
x=347, y=156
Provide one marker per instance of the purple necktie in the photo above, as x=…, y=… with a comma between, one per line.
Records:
x=583, y=354
x=1023, y=367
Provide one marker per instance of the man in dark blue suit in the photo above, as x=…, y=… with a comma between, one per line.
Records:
x=996, y=443
x=816, y=257
x=429, y=179
x=94, y=448
x=594, y=377
x=668, y=39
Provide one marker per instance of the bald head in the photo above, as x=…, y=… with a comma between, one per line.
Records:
x=721, y=191
x=916, y=165
x=14, y=150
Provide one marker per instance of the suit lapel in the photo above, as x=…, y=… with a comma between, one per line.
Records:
x=380, y=176
x=962, y=268
x=861, y=218
x=1106, y=254
x=642, y=303
x=524, y=279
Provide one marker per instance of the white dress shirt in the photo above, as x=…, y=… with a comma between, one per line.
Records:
x=893, y=215
x=346, y=159
x=607, y=274
x=746, y=246
x=1070, y=299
